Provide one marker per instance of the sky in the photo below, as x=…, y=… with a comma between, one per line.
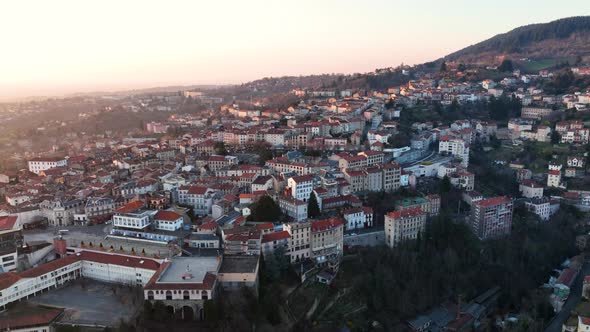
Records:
x=58, y=47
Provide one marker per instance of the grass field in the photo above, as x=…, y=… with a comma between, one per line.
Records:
x=536, y=65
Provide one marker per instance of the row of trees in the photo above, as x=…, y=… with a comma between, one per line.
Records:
x=448, y=260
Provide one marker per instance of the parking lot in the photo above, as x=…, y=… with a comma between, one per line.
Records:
x=89, y=302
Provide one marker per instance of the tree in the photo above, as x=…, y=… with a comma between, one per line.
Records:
x=443, y=67
x=461, y=67
x=445, y=185
x=265, y=209
x=555, y=137
x=506, y=66
x=313, y=209
x=220, y=148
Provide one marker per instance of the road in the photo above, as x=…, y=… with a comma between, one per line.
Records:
x=574, y=298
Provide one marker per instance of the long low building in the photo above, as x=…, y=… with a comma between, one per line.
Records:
x=103, y=266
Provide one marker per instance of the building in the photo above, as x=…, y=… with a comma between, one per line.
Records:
x=491, y=217
x=404, y=225
x=184, y=284
x=200, y=198
x=530, y=189
x=553, y=178
x=60, y=212
x=11, y=240
x=540, y=207
x=38, y=165
x=168, y=221
x=237, y=272
x=536, y=113
x=327, y=238
x=456, y=147
x=294, y=208
x=272, y=241
x=102, y=266
x=299, y=247
x=358, y=218
x=99, y=208
x=301, y=186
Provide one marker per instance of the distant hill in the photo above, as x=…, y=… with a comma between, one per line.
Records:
x=563, y=39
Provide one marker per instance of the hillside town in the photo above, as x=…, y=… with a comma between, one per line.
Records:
x=197, y=205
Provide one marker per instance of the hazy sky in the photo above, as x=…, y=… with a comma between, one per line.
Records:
x=51, y=47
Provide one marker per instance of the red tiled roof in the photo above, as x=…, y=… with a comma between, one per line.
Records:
x=167, y=215
x=264, y=226
x=210, y=225
x=8, y=279
x=130, y=207
x=303, y=178
x=322, y=225
x=493, y=201
x=48, y=267
x=7, y=222
x=24, y=321
x=554, y=172
x=276, y=236
x=194, y=190
x=99, y=257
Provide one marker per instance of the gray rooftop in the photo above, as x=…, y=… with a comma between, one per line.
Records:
x=195, y=267
x=238, y=264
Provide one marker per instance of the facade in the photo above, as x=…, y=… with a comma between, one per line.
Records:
x=301, y=187
x=11, y=240
x=168, y=221
x=272, y=241
x=491, y=217
x=39, y=165
x=299, y=247
x=99, y=208
x=184, y=284
x=530, y=189
x=456, y=147
x=294, y=208
x=200, y=198
x=327, y=237
x=133, y=220
x=61, y=212
x=553, y=178
x=103, y=266
x=540, y=207
x=358, y=218
x=404, y=225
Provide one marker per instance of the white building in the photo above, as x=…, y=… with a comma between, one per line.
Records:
x=530, y=189
x=133, y=220
x=540, y=207
x=38, y=165
x=301, y=186
x=456, y=147
x=358, y=218
x=109, y=267
x=168, y=221
x=553, y=178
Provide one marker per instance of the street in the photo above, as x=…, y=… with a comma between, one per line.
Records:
x=571, y=302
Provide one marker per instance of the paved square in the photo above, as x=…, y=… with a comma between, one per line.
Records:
x=90, y=302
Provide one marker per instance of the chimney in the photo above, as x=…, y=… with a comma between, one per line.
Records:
x=60, y=246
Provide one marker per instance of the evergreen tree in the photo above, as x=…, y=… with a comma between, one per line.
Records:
x=443, y=66
x=505, y=66
x=313, y=209
x=266, y=209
